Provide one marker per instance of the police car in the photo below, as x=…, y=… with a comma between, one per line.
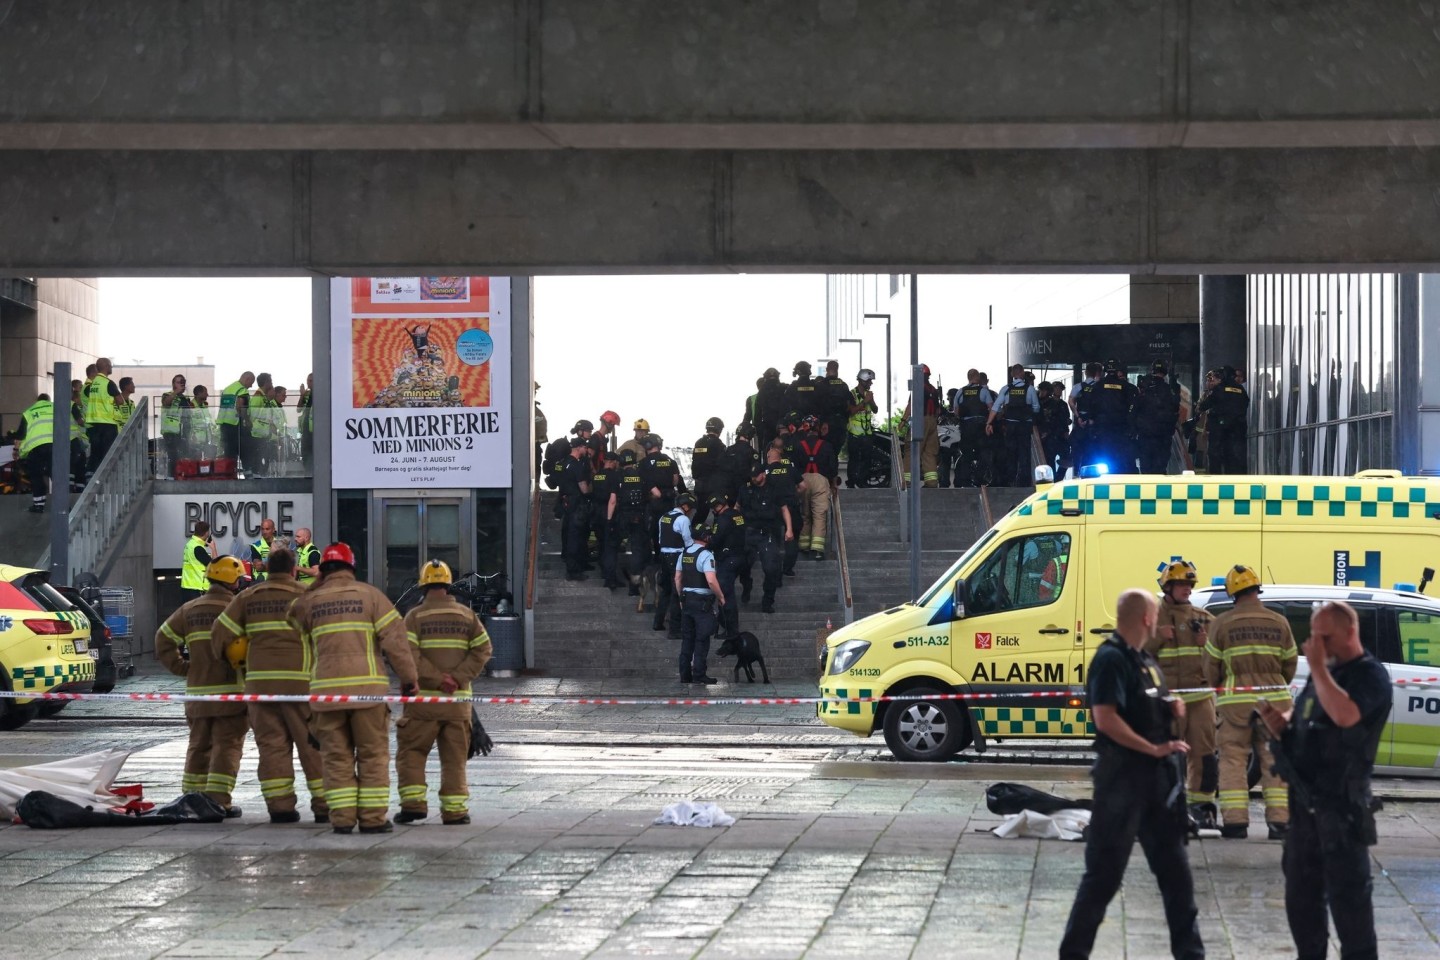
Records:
x=45, y=643
x=1402, y=629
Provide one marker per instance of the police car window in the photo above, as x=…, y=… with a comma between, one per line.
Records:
x=1419, y=638
x=1024, y=572
x=1370, y=631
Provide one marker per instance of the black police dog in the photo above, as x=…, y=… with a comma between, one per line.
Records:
x=745, y=648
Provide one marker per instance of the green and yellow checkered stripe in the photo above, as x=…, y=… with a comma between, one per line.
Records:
x=853, y=707
x=1034, y=721
x=51, y=675
x=1347, y=500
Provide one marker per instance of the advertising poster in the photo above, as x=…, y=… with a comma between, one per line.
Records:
x=421, y=369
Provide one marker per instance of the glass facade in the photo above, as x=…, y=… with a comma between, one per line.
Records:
x=1322, y=370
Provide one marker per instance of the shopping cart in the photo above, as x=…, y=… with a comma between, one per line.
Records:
x=117, y=606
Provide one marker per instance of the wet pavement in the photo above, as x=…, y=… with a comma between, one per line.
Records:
x=833, y=855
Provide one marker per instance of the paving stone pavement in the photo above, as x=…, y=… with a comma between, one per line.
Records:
x=827, y=859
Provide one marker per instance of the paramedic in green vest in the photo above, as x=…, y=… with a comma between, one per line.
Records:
x=263, y=435
x=102, y=419
x=199, y=553
x=234, y=410
x=307, y=558
x=305, y=410
x=125, y=406
x=861, y=428
x=78, y=447
x=200, y=433
x=33, y=444
x=174, y=407
x=260, y=550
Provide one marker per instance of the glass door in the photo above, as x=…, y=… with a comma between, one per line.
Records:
x=414, y=531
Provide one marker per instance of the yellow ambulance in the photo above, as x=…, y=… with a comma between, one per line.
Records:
x=44, y=643
x=1022, y=611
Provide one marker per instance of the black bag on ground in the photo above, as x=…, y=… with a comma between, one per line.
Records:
x=480, y=742
x=1008, y=798
x=45, y=811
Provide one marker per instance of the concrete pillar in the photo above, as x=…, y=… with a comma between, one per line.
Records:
x=322, y=513
x=1222, y=322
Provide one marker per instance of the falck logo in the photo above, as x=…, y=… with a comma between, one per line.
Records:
x=982, y=641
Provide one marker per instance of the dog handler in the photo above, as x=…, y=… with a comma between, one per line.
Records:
x=699, y=589
x=1135, y=785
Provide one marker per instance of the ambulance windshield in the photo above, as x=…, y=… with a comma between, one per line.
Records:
x=941, y=587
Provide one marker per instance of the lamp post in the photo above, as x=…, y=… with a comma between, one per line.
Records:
x=889, y=403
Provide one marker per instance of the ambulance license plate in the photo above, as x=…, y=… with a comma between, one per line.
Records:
x=80, y=646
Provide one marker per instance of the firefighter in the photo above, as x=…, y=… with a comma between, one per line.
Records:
x=1179, y=645
x=819, y=470
x=253, y=632
x=1249, y=646
x=217, y=730
x=636, y=444
x=930, y=437
x=451, y=648
x=345, y=625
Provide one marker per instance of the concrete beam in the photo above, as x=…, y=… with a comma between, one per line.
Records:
x=1124, y=211
x=715, y=74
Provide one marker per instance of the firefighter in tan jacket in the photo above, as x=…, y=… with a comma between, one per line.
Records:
x=451, y=648
x=1249, y=646
x=346, y=625
x=254, y=634
x=1179, y=645
x=217, y=730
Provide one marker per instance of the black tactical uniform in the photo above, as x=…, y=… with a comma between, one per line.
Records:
x=1228, y=406
x=770, y=409
x=784, y=479
x=1055, y=432
x=707, y=467
x=1082, y=438
x=740, y=461
x=1019, y=416
x=1110, y=405
x=727, y=542
x=764, y=508
x=604, y=484
x=802, y=398
x=972, y=406
x=835, y=410
x=574, y=515
x=672, y=537
x=1153, y=418
x=1135, y=796
x=658, y=472
x=630, y=507
x=1332, y=822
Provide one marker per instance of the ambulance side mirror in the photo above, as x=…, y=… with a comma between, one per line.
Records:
x=959, y=597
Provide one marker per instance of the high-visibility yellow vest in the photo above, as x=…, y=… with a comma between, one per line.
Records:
x=306, y=556
x=124, y=410
x=192, y=571
x=202, y=428
x=262, y=417
x=861, y=422
x=171, y=416
x=307, y=413
x=77, y=429
x=99, y=408
x=39, y=426
x=229, y=414
x=262, y=548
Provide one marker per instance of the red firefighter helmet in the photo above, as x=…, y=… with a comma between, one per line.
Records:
x=610, y=417
x=338, y=553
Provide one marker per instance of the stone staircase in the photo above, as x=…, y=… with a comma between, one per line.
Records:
x=951, y=520
x=583, y=630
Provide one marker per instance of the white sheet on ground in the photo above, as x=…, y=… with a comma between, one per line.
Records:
x=85, y=779
x=1062, y=825
x=693, y=813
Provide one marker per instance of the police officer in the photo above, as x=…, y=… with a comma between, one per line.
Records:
x=1153, y=419
x=740, y=459
x=1017, y=405
x=1179, y=646
x=1136, y=786
x=1055, y=427
x=630, y=503
x=972, y=408
x=673, y=536
x=707, y=465
x=574, y=505
x=784, y=478
x=770, y=407
x=768, y=528
x=1109, y=418
x=834, y=406
x=860, y=426
x=662, y=479
x=1329, y=740
x=1227, y=406
x=727, y=542
x=1249, y=646
x=695, y=583
x=604, y=522
x=1082, y=401
x=802, y=397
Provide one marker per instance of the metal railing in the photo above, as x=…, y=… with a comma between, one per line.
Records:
x=532, y=549
x=847, y=599
x=281, y=452
x=897, y=483
x=120, y=486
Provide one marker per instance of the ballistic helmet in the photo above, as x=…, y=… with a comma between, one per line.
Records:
x=714, y=425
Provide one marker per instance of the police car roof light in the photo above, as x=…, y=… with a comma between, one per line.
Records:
x=1092, y=470
x=1405, y=587
x=1217, y=581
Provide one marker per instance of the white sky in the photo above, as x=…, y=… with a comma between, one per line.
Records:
x=672, y=349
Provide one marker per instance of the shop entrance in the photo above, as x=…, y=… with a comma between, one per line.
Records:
x=413, y=530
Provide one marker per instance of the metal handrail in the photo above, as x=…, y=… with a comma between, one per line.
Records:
x=896, y=473
x=532, y=549
x=847, y=599
x=120, y=485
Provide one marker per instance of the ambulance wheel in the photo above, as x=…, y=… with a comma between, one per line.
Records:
x=12, y=715
x=925, y=730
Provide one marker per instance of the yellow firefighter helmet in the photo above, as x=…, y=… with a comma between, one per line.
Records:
x=236, y=651
x=436, y=572
x=1240, y=578
x=1177, y=571
x=225, y=570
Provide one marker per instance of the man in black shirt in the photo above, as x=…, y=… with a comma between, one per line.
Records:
x=768, y=527
x=727, y=542
x=574, y=493
x=604, y=516
x=1330, y=737
x=1138, y=787
x=707, y=466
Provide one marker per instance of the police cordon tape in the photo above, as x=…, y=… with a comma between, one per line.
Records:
x=578, y=701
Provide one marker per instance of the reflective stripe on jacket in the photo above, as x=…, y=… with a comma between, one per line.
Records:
x=276, y=662
x=446, y=637
x=39, y=426
x=188, y=630
x=347, y=624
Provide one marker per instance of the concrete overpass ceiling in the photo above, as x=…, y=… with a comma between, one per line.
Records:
x=718, y=74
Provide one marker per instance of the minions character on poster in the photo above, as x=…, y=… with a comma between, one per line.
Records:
x=418, y=362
